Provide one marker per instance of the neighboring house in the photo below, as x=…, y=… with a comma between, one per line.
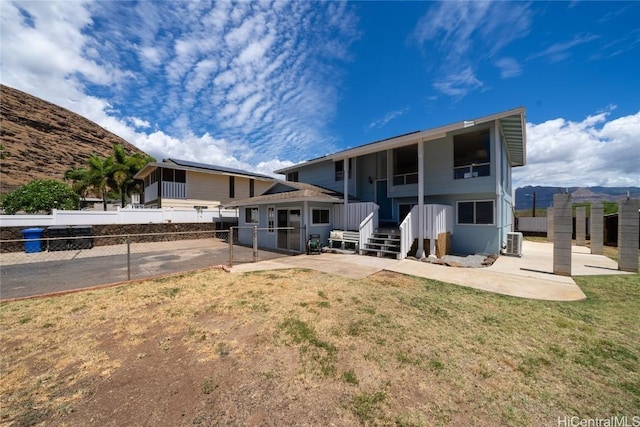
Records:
x=182, y=184
x=454, y=178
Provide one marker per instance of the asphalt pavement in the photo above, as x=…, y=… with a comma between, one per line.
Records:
x=25, y=275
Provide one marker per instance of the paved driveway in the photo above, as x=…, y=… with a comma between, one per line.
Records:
x=529, y=276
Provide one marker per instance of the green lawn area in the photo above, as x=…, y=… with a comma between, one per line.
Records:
x=302, y=346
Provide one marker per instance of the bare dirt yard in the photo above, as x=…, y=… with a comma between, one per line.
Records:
x=299, y=347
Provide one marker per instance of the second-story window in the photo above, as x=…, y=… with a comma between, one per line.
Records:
x=252, y=187
x=472, y=154
x=339, y=170
x=232, y=187
x=292, y=176
x=405, y=165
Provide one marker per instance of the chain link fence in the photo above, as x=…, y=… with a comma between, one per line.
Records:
x=41, y=265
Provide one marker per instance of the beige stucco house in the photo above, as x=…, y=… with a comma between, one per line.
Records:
x=175, y=183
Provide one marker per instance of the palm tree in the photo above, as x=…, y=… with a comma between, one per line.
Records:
x=98, y=173
x=78, y=177
x=124, y=169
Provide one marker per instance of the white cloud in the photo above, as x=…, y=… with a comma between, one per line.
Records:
x=595, y=151
x=139, y=123
x=231, y=83
x=560, y=51
x=457, y=31
x=457, y=85
x=391, y=115
x=509, y=67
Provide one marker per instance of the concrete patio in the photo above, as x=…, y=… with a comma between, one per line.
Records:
x=530, y=276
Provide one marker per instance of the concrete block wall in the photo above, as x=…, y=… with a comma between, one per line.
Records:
x=562, y=230
x=628, y=230
x=597, y=228
x=581, y=226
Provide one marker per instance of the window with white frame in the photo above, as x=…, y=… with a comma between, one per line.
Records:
x=271, y=218
x=319, y=216
x=252, y=215
x=478, y=212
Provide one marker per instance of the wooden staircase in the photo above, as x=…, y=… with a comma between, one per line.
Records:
x=383, y=243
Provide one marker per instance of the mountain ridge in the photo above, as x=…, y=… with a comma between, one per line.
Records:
x=43, y=140
x=544, y=195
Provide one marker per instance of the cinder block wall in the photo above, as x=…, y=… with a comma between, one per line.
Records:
x=562, y=230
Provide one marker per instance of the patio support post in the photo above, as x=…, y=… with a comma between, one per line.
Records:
x=255, y=243
x=421, y=224
x=345, y=215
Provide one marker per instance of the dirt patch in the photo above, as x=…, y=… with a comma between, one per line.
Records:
x=305, y=348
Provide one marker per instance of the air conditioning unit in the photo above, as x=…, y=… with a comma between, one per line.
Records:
x=514, y=244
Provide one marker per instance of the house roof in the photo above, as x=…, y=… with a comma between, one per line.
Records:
x=512, y=125
x=297, y=191
x=198, y=167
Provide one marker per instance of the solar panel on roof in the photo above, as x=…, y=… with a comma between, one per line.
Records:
x=197, y=165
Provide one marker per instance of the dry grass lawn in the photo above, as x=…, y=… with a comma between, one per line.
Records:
x=301, y=347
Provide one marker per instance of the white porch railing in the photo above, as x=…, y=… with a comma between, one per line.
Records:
x=356, y=213
x=437, y=219
x=151, y=192
x=536, y=224
x=408, y=231
x=368, y=226
x=174, y=190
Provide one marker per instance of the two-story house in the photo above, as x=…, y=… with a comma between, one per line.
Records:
x=455, y=178
x=183, y=184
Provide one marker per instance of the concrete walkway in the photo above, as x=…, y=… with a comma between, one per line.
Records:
x=529, y=276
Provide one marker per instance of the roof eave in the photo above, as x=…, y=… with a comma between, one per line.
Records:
x=148, y=168
x=249, y=202
x=412, y=138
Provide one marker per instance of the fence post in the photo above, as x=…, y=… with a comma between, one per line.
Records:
x=304, y=237
x=230, y=247
x=128, y=258
x=255, y=243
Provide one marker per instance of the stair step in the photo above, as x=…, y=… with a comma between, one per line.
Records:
x=376, y=246
x=378, y=252
x=384, y=239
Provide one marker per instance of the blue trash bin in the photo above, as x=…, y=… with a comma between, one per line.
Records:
x=32, y=237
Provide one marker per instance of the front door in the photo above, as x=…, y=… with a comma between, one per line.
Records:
x=383, y=200
x=289, y=237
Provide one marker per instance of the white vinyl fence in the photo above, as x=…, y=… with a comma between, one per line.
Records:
x=537, y=224
x=119, y=216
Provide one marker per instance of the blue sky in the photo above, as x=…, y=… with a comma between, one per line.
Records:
x=261, y=85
